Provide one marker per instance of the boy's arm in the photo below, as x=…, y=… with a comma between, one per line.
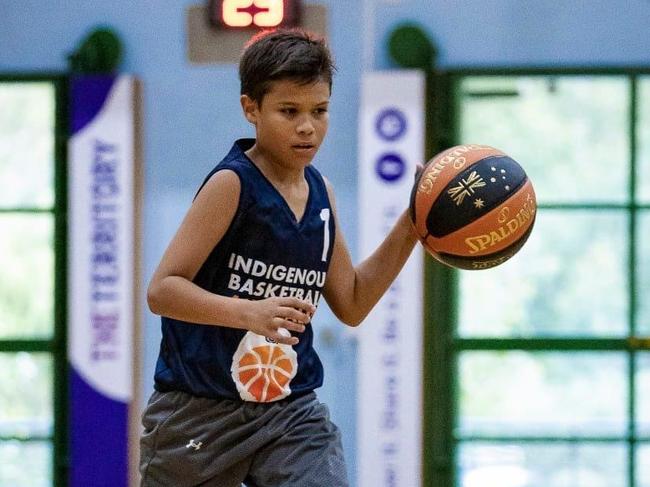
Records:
x=172, y=293
x=351, y=292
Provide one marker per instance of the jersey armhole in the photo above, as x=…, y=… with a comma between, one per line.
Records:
x=319, y=177
x=243, y=193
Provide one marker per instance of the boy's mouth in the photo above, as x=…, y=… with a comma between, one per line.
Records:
x=302, y=147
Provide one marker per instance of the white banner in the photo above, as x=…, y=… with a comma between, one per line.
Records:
x=389, y=411
x=101, y=236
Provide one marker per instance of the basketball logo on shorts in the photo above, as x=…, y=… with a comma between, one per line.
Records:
x=263, y=371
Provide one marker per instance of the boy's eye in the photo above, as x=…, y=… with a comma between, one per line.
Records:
x=321, y=110
x=289, y=111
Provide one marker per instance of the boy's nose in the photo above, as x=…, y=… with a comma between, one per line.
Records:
x=305, y=126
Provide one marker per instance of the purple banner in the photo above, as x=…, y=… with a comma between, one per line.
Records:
x=98, y=437
x=87, y=95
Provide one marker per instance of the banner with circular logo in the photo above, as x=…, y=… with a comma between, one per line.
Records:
x=389, y=419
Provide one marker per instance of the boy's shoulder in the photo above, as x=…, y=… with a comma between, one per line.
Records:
x=238, y=150
x=235, y=160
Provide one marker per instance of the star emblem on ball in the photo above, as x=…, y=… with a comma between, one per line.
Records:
x=479, y=203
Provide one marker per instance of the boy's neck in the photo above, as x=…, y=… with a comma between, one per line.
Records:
x=274, y=171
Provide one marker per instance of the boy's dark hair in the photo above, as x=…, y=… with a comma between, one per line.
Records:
x=283, y=54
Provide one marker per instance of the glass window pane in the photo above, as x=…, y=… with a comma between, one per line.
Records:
x=542, y=394
x=571, y=259
x=643, y=282
x=643, y=394
x=643, y=465
x=26, y=464
x=27, y=144
x=643, y=136
x=25, y=395
x=569, y=133
x=485, y=464
x=27, y=277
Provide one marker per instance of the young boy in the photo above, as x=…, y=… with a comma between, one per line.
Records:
x=237, y=288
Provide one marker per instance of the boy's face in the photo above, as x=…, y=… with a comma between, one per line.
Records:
x=291, y=122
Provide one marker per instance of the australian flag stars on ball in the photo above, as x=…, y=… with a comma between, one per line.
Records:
x=476, y=191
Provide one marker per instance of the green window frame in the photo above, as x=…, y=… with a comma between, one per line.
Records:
x=442, y=344
x=55, y=345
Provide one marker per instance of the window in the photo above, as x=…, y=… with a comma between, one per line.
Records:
x=32, y=281
x=549, y=371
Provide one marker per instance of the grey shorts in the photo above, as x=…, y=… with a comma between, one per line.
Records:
x=193, y=441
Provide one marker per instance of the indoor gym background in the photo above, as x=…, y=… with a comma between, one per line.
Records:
x=549, y=379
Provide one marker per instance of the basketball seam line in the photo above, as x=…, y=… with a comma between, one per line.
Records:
x=275, y=368
x=512, y=244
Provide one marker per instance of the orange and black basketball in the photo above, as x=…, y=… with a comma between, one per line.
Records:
x=473, y=207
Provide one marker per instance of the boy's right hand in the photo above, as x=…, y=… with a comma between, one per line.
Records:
x=268, y=316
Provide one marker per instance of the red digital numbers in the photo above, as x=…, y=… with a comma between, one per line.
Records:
x=245, y=14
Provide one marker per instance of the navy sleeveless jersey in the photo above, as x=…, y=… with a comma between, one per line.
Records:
x=265, y=253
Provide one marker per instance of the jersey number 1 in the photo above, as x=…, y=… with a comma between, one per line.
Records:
x=325, y=217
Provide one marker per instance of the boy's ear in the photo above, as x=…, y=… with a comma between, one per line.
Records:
x=250, y=108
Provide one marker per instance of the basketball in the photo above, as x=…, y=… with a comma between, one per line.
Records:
x=473, y=207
